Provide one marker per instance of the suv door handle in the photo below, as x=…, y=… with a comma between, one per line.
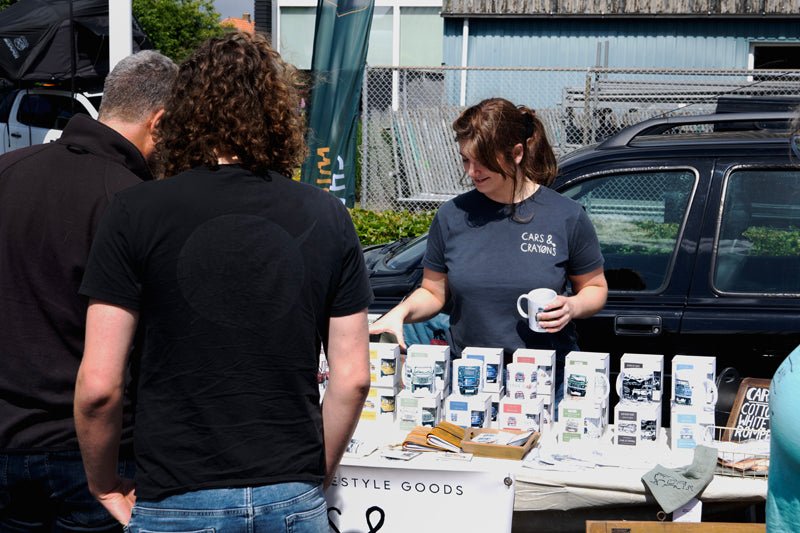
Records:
x=16, y=135
x=637, y=325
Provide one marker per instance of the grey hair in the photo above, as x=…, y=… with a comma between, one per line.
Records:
x=137, y=87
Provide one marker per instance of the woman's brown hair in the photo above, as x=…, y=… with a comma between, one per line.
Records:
x=493, y=127
x=234, y=97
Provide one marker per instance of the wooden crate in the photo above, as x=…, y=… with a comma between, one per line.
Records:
x=494, y=450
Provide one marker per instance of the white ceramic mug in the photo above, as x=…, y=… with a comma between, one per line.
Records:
x=692, y=387
x=586, y=384
x=537, y=299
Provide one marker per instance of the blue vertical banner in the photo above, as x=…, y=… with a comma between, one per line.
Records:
x=341, y=38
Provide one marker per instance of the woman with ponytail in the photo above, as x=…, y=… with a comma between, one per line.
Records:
x=508, y=235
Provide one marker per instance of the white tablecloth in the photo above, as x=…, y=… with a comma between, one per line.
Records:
x=604, y=486
x=542, y=490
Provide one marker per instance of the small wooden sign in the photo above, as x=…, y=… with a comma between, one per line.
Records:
x=749, y=418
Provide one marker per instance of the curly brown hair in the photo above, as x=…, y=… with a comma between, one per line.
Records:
x=233, y=97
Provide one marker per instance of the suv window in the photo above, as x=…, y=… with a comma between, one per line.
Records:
x=758, y=242
x=638, y=217
x=6, y=104
x=50, y=111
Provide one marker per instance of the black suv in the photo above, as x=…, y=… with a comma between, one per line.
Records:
x=700, y=230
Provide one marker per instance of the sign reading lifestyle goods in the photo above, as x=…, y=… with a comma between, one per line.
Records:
x=749, y=418
x=394, y=500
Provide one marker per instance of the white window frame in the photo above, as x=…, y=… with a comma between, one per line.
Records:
x=395, y=5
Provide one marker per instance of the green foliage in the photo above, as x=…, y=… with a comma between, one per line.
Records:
x=177, y=27
x=5, y=3
x=658, y=230
x=386, y=226
x=776, y=242
x=636, y=237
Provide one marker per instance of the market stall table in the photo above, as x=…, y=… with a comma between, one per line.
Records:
x=478, y=492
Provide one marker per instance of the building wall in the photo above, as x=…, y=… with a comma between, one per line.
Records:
x=403, y=32
x=564, y=42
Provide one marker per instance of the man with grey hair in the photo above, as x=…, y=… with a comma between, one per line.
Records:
x=51, y=199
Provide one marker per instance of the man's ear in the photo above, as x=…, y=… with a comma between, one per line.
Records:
x=152, y=122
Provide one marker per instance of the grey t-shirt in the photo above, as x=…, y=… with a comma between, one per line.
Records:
x=491, y=259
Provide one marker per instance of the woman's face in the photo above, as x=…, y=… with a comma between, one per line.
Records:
x=491, y=184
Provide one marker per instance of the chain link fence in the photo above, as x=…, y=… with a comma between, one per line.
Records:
x=410, y=159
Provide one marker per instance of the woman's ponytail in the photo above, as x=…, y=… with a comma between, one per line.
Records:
x=539, y=161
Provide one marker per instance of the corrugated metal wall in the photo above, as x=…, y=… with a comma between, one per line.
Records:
x=668, y=43
x=620, y=7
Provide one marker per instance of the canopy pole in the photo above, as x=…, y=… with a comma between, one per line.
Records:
x=120, y=32
x=73, y=67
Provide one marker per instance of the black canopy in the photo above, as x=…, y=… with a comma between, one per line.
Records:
x=35, y=38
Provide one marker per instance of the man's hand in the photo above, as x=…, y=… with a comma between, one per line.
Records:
x=119, y=501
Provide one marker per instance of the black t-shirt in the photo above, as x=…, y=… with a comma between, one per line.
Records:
x=235, y=276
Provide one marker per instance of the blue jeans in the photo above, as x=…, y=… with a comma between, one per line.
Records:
x=290, y=507
x=47, y=492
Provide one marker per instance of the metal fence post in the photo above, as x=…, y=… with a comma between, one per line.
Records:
x=364, y=137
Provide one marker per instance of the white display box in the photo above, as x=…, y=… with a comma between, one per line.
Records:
x=496, y=399
x=545, y=361
x=600, y=361
x=705, y=363
x=580, y=420
x=469, y=411
x=468, y=375
x=424, y=355
x=521, y=383
x=380, y=405
x=586, y=377
x=637, y=424
x=522, y=394
x=641, y=378
x=693, y=381
x=689, y=427
x=548, y=411
x=417, y=411
x=322, y=374
x=520, y=414
x=384, y=364
x=492, y=359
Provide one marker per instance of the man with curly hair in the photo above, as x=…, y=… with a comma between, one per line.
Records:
x=236, y=274
x=51, y=200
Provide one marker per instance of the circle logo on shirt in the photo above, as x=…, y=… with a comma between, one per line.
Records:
x=241, y=271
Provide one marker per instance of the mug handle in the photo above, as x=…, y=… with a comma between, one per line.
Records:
x=618, y=384
x=712, y=387
x=519, y=305
x=607, y=385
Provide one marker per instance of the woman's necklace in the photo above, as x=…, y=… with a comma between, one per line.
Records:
x=528, y=190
